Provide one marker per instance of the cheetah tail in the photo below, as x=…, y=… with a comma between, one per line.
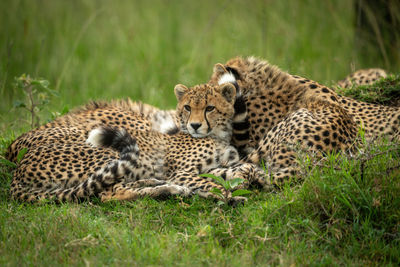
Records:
x=116, y=138
x=108, y=175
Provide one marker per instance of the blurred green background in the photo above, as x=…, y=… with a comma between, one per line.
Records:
x=141, y=49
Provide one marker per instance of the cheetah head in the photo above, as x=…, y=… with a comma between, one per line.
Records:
x=206, y=110
x=239, y=71
x=233, y=71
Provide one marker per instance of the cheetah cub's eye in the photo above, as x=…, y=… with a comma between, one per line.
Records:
x=210, y=108
x=187, y=107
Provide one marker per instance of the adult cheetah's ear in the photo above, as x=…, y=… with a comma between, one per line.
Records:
x=226, y=73
x=228, y=91
x=219, y=69
x=180, y=90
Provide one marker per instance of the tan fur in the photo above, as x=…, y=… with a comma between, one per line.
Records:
x=118, y=113
x=61, y=165
x=362, y=77
x=210, y=107
x=285, y=111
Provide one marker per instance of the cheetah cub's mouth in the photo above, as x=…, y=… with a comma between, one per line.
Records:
x=198, y=130
x=198, y=135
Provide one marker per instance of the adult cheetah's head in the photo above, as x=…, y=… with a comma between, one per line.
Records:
x=233, y=71
x=240, y=71
x=205, y=110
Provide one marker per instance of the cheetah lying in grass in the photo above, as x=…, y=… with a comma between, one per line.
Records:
x=285, y=111
x=129, y=159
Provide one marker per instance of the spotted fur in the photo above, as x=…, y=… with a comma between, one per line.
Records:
x=287, y=111
x=362, y=77
x=117, y=113
x=206, y=110
x=68, y=163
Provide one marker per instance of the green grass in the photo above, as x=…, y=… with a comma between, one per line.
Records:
x=385, y=91
x=141, y=49
x=336, y=217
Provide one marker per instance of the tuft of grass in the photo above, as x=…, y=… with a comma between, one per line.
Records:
x=386, y=91
x=356, y=201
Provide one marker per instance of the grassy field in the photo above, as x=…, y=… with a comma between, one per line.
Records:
x=346, y=213
x=141, y=49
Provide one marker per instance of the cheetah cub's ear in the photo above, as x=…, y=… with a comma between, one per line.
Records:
x=180, y=90
x=228, y=91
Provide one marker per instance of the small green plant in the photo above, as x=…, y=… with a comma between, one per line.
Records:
x=6, y=165
x=229, y=186
x=56, y=114
x=37, y=96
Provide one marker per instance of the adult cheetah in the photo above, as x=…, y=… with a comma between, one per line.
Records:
x=286, y=111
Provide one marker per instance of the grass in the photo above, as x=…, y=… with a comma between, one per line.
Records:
x=141, y=49
x=336, y=217
x=345, y=213
x=384, y=92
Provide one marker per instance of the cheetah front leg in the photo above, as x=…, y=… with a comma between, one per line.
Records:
x=251, y=173
x=279, y=161
x=182, y=183
x=202, y=186
x=153, y=188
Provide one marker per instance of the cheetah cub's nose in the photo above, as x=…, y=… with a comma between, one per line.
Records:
x=195, y=126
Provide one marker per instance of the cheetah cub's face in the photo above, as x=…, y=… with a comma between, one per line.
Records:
x=205, y=110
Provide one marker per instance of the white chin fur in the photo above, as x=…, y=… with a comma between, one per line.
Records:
x=227, y=78
x=95, y=137
x=198, y=135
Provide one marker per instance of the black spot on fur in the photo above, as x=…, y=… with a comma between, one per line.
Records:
x=114, y=169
